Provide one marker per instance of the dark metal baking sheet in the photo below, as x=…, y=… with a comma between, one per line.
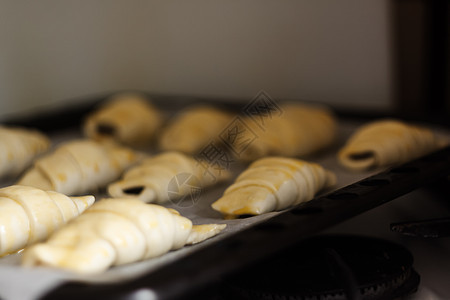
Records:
x=197, y=270
x=248, y=240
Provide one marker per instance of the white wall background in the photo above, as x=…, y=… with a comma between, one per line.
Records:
x=53, y=51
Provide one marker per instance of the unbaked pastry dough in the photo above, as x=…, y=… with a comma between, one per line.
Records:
x=169, y=175
x=79, y=166
x=29, y=215
x=192, y=129
x=386, y=142
x=114, y=232
x=126, y=118
x=18, y=148
x=273, y=183
x=298, y=130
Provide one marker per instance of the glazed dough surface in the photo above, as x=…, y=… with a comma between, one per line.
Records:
x=386, y=142
x=117, y=231
x=126, y=118
x=18, y=148
x=297, y=130
x=29, y=215
x=273, y=183
x=79, y=166
x=167, y=174
x=193, y=128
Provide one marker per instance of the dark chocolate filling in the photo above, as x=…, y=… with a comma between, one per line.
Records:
x=134, y=190
x=361, y=155
x=106, y=129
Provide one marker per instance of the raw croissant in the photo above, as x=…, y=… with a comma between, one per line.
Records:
x=150, y=180
x=114, y=232
x=190, y=131
x=127, y=118
x=79, y=166
x=18, y=147
x=386, y=142
x=273, y=183
x=29, y=215
x=298, y=130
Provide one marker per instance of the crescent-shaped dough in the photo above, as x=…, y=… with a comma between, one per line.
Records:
x=273, y=183
x=29, y=215
x=18, y=148
x=79, y=166
x=126, y=118
x=150, y=179
x=386, y=142
x=299, y=130
x=191, y=130
x=114, y=232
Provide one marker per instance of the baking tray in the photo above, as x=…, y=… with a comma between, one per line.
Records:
x=185, y=272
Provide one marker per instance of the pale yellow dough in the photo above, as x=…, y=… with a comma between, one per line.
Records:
x=126, y=118
x=115, y=232
x=29, y=215
x=193, y=129
x=386, y=142
x=273, y=183
x=296, y=130
x=18, y=148
x=79, y=166
x=157, y=179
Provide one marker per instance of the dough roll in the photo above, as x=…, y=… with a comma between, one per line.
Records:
x=193, y=128
x=29, y=215
x=298, y=130
x=126, y=118
x=18, y=148
x=115, y=232
x=386, y=142
x=79, y=166
x=150, y=179
x=273, y=183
